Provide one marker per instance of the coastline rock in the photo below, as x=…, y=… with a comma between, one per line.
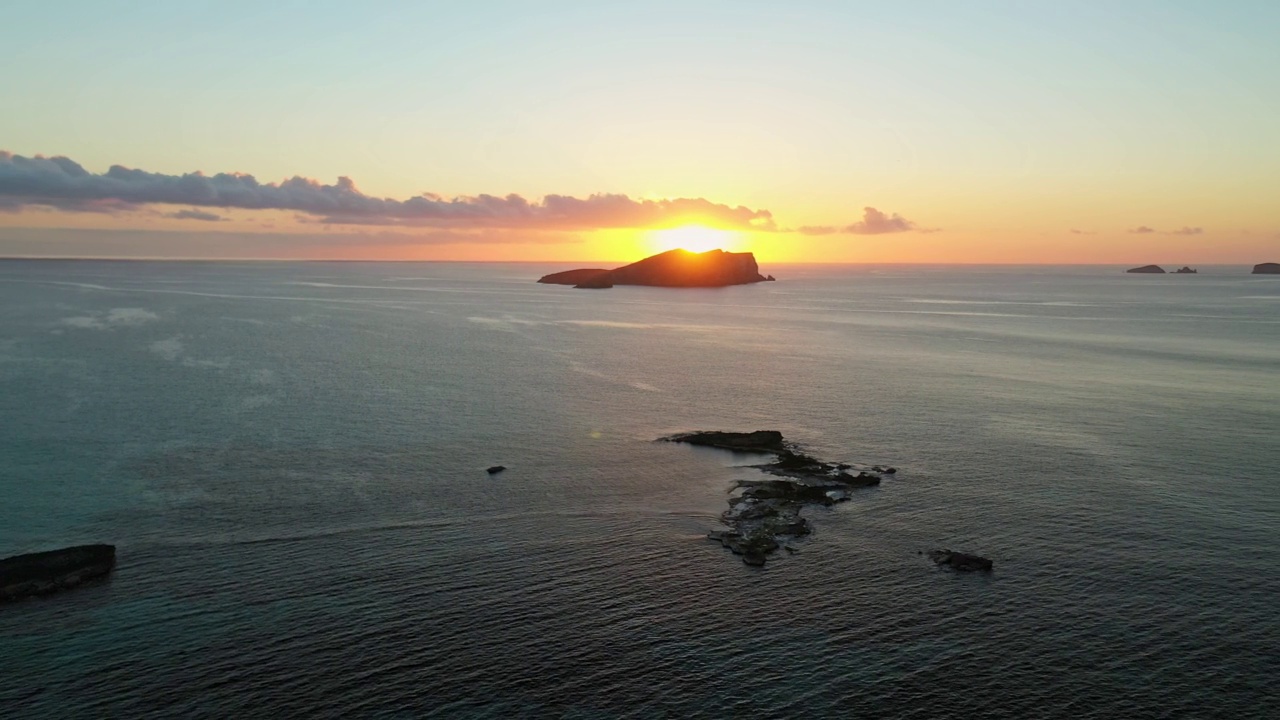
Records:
x=572, y=277
x=1147, y=269
x=1266, y=269
x=1185, y=270
x=767, y=512
x=960, y=561
x=674, y=268
x=43, y=573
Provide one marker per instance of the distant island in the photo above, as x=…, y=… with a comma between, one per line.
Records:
x=673, y=268
x=1266, y=269
x=1155, y=269
x=1185, y=270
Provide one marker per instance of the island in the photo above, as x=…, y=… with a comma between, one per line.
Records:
x=43, y=573
x=1156, y=269
x=766, y=514
x=1185, y=270
x=1266, y=269
x=673, y=268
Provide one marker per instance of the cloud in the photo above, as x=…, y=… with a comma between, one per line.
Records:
x=1082, y=232
x=874, y=222
x=61, y=183
x=195, y=215
x=817, y=230
x=1187, y=231
x=1141, y=230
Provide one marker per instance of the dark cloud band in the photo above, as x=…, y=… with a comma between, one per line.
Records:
x=61, y=183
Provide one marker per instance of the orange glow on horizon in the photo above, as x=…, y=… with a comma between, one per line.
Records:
x=694, y=238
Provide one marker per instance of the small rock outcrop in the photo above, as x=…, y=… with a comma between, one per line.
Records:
x=960, y=561
x=44, y=573
x=1185, y=270
x=674, y=268
x=1266, y=269
x=766, y=514
x=496, y=469
x=1155, y=269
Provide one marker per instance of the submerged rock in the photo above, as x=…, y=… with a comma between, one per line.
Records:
x=960, y=561
x=766, y=514
x=44, y=573
x=496, y=469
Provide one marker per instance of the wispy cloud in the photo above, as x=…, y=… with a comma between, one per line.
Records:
x=1082, y=232
x=874, y=222
x=195, y=215
x=63, y=184
x=1186, y=231
x=1141, y=230
x=817, y=230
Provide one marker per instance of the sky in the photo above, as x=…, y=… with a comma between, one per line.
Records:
x=915, y=131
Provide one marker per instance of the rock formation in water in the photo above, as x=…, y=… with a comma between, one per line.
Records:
x=43, y=573
x=766, y=514
x=1266, y=269
x=960, y=561
x=1185, y=270
x=572, y=277
x=674, y=268
x=1147, y=269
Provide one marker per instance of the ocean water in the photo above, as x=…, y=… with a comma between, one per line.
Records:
x=291, y=460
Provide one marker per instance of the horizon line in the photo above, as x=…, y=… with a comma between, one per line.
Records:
x=160, y=259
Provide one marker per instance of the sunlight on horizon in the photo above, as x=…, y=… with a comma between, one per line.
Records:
x=695, y=238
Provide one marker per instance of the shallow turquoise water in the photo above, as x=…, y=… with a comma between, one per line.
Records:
x=291, y=460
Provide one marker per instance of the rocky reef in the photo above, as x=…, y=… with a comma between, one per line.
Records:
x=765, y=515
x=960, y=561
x=674, y=268
x=1266, y=269
x=43, y=573
x=1155, y=269
x=1185, y=270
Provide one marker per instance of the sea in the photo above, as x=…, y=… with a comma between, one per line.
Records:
x=291, y=460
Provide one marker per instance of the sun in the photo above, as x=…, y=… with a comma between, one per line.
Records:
x=695, y=238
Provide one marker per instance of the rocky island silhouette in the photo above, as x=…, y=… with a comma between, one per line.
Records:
x=673, y=268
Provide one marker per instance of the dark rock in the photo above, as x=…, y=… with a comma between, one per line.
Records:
x=960, y=561
x=674, y=268
x=572, y=277
x=760, y=441
x=43, y=573
x=767, y=510
x=1156, y=269
x=771, y=278
x=496, y=469
x=1184, y=270
x=1266, y=269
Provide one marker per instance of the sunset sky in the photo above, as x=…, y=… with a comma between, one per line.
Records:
x=988, y=132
